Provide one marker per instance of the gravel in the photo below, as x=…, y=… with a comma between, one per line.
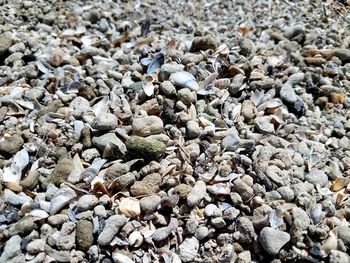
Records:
x=175, y=131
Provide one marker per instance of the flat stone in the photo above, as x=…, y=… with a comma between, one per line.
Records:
x=147, y=125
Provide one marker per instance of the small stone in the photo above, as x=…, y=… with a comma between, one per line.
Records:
x=84, y=235
x=197, y=193
x=61, y=172
x=105, y=122
x=167, y=69
x=11, y=144
x=12, y=251
x=264, y=125
x=150, y=203
x=182, y=190
x=317, y=177
x=248, y=110
x=113, y=224
x=160, y=234
x=201, y=232
x=247, y=46
x=245, y=191
x=36, y=246
x=272, y=240
x=5, y=42
x=336, y=256
x=204, y=43
x=57, y=220
x=245, y=230
x=146, y=126
x=19, y=47
x=149, y=185
x=87, y=202
x=244, y=257
x=218, y=222
x=116, y=170
x=187, y=96
x=343, y=54
x=167, y=88
x=90, y=154
x=344, y=234
x=100, y=211
x=188, y=249
x=212, y=210
x=287, y=93
x=102, y=141
x=31, y=181
x=144, y=148
x=193, y=129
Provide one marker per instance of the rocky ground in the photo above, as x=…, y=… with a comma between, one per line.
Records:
x=174, y=131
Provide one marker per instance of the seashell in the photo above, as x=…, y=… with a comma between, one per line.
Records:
x=184, y=79
x=234, y=70
x=135, y=239
x=44, y=67
x=256, y=75
x=120, y=258
x=61, y=198
x=340, y=183
x=147, y=85
x=223, y=50
x=276, y=218
x=316, y=214
x=156, y=63
x=12, y=174
x=118, y=242
x=208, y=80
x=90, y=40
x=130, y=207
x=257, y=97
x=78, y=168
x=272, y=105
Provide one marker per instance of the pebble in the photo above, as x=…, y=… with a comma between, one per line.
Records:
x=204, y=43
x=87, y=202
x=148, y=185
x=187, y=96
x=113, y=224
x=272, y=240
x=336, y=256
x=5, y=42
x=264, y=125
x=145, y=126
x=105, y=122
x=12, y=251
x=201, y=232
x=188, y=249
x=147, y=149
x=193, y=129
x=317, y=177
x=150, y=203
x=36, y=246
x=197, y=193
x=11, y=144
x=84, y=235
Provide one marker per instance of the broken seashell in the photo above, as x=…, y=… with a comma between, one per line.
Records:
x=130, y=207
x=13, y=173
x=61, y=198
x=120, y=258
x=340, y=183
x=330, y=243
x=135, y=239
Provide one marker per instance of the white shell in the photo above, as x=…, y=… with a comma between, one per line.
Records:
x=135, y=239
x=130, y=207
x=184, y=79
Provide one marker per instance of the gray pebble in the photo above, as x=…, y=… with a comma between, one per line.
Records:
x=150, y=203
x=105, y=122
x=272, y=240
x=113, y=224
x=148, y=125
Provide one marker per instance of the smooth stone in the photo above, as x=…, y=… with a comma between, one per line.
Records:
x=147, y=125
x=272, y=240
x=150, y=203
x=105, y=122
x=87, y=202
x=197, y=193
x=12, y=251
x=84, y=235
x=111, y=228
